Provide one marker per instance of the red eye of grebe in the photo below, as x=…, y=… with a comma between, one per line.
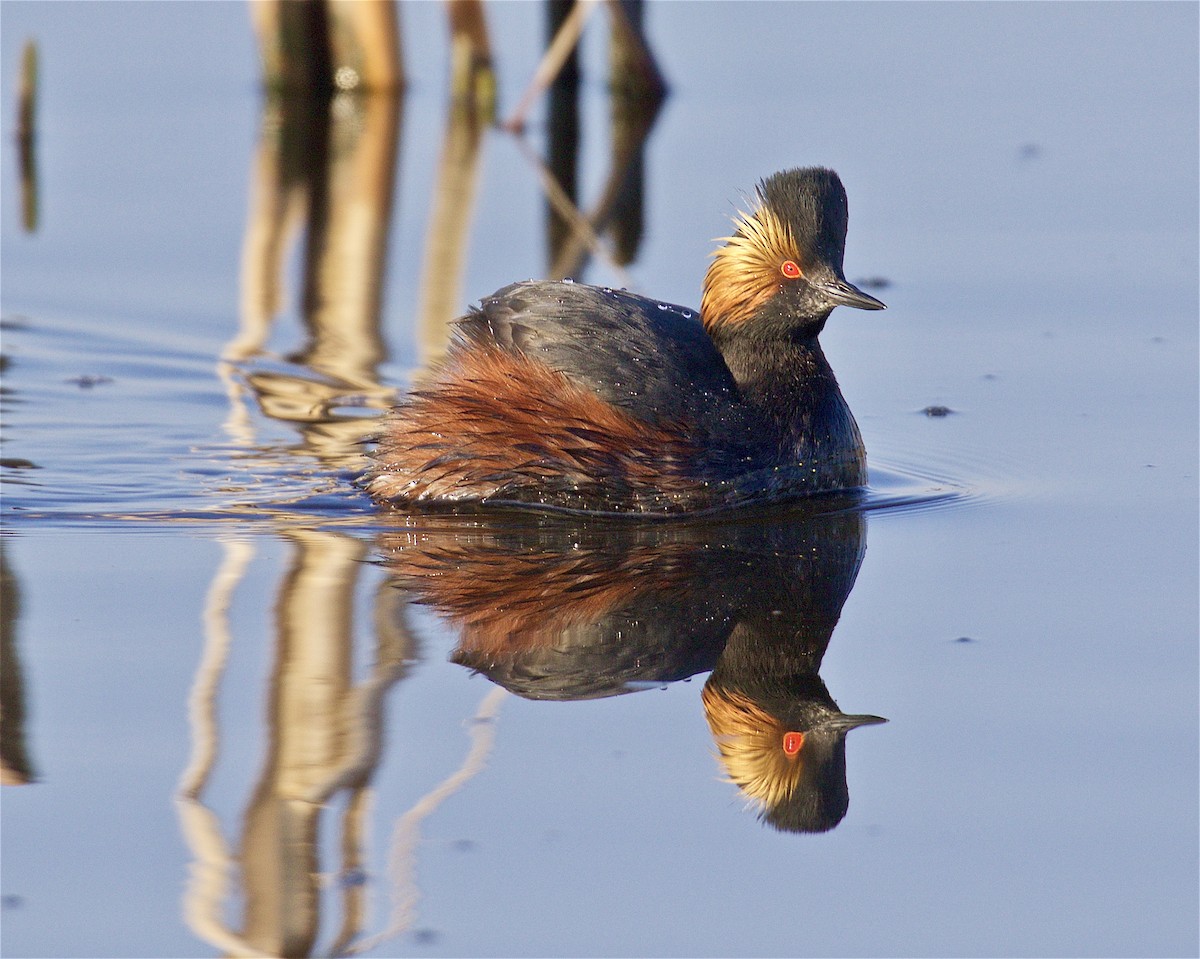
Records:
x=790, y=269
x=792, y=742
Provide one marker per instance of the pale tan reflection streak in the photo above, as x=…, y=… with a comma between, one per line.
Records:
x=472, y=76
x=449, y=226
x=325, y=738
x=208, y=882
x=348, y=239
x=26, y=135
x=471, y=110
x=406, y=834
x=278, y=208
x=16, y=768
x=323, y=172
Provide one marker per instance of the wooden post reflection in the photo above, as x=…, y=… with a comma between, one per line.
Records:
x=562, y=135
x=307, y=743
x=347, y=239
x=15, y=766
x=312, y=47
x=324, y=737
x=449, y=228
x=471, y=73
x=27, y=96
x=323, y=172
x=636, y=94
x=471, y=110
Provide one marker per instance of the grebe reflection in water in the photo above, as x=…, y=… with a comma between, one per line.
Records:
x=556, y=609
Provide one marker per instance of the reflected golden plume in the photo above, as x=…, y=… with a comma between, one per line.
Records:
x=565, y=608
x=750, y=743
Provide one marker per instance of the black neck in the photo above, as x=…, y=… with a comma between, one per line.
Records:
x=783, y=374
x=786, y=376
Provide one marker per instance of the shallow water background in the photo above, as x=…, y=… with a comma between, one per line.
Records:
x=188, y=574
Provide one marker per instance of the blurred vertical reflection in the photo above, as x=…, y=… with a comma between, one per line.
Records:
x=27, y=96
x=311, y=47
x=454, y=193
x=562, y=132
x=324, y=741
x=636, y=94
x=15, y=766
x=324, y=170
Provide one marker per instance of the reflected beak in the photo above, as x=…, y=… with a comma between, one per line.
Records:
x=847, y=294
x=843, y=722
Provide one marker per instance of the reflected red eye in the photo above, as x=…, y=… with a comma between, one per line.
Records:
x=790, y=269
x=792, y=743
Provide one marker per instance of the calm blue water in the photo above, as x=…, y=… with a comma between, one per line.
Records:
x=231, y=680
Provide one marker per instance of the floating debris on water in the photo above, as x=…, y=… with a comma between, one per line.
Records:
x=86, y=382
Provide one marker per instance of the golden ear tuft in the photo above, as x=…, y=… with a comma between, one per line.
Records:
x=747, y=268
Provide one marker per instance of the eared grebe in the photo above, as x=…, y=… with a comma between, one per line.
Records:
x=562, y=395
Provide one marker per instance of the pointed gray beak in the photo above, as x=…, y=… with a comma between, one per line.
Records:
x=848, y=722
x=847, y=294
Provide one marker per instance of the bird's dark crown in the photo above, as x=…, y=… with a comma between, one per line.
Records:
x=812, y=201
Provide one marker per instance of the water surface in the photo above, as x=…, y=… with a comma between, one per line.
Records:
x=256, y=714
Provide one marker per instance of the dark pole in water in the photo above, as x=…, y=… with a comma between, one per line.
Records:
x=562, y=147
x=637, y=90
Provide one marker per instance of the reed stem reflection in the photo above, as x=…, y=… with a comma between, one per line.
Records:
x=27, y=99
x=323, y=738
x=324, y=171
x=16, y=768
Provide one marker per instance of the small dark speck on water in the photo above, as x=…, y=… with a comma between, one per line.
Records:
x=965, y=639
x=873, y=283
x=464, y=845
x=86, y=382
x=426, y=936
x=937, y=410
x=12, y=901
x=1029, y=151
x=16, y=463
